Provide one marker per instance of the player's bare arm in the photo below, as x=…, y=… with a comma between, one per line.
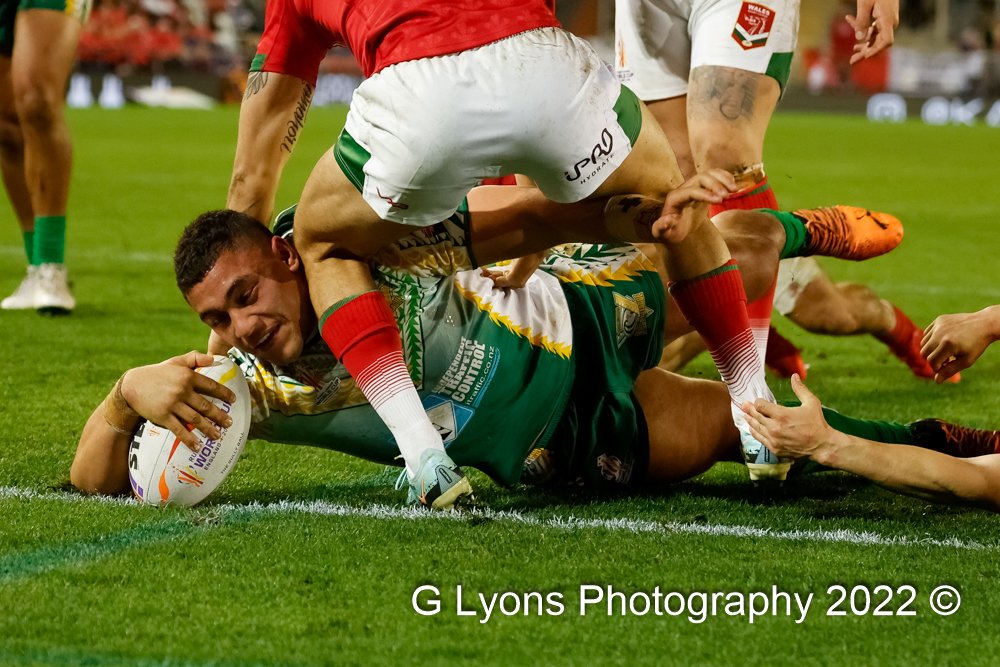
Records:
x=952, y=343
x=874, y=27
x=271, y=118
x=803, y=432
x=170, y=394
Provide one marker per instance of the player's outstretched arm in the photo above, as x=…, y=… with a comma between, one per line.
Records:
x=952, y=343
x=271, y=118
x=170, y=394
x=803, y=432
x=874, y=27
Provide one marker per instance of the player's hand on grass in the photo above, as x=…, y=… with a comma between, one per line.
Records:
x=791, y=432
x=685, y=206
x=874, y=27
x=171, y=394
x=952, y=343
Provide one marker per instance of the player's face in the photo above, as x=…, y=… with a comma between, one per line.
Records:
x=255, y=298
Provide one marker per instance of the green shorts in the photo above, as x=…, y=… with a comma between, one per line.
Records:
x=9, y=9
x=602, y=442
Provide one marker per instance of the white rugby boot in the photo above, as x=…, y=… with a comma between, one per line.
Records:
x=52, y=295
x=23, y=297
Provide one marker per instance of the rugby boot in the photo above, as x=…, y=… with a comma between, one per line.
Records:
x=761, y=462
x=438, y=484
x=849, y=232
x=953, y=439
x=904, y=341
x=52, y=295
x=23, y=298
x=782, y=357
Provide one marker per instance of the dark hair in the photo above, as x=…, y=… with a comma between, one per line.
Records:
x=207, y=237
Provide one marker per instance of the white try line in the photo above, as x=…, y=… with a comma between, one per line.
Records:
x=667, y=528
x=102, y=254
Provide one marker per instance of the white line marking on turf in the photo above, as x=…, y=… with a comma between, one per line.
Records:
x=137, y=256
x=388, y=512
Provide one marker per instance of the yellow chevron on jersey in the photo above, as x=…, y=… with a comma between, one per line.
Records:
x=529, y=318
x=425, y=261
x=598, y=265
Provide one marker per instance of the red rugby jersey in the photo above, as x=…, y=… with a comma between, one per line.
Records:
x=298, y=33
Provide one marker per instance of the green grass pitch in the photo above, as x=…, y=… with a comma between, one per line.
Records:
x=327, y=577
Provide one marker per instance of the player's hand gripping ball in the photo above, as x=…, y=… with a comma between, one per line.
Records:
x=164, y=471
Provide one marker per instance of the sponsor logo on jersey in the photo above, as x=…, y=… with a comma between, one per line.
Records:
x=448, y=417
x=753, y=25
x=588, y=167
x=470, y=371
x=631, y=314
x=614, y=469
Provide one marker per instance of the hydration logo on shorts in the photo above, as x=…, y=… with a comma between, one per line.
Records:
x=586, y=168
x=631, y=314
x=753, y=25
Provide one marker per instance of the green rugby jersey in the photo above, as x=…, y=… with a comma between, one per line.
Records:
x=493, y=368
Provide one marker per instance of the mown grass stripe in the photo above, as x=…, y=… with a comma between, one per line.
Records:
x=391, y=512
x=84, y=552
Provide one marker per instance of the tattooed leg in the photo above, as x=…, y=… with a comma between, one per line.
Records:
x=728, y=111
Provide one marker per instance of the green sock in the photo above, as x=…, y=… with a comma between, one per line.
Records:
x=870, y=429
x=29, y=245
x=50, y=239
x=796, y=234
x=893, y=433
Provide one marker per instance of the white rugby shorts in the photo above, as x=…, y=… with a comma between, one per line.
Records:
x=793, y=276
x=420, y=134
x=658, y=42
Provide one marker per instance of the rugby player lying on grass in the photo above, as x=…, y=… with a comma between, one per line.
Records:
x=559, y=373
x=971, y=474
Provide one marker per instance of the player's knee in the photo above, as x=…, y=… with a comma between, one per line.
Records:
x=36, y=108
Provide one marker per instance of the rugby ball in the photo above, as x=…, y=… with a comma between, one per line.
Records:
x=164, y=471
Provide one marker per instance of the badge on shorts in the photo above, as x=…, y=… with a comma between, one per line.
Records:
x=631, y=314
x=753, y=26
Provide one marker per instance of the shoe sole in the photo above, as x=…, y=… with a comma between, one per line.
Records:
x=54, y=311
x=769, y=471
x=447, y=500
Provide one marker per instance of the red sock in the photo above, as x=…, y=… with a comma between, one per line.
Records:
x=759, y=195
x=363, y=334
x=714, y=303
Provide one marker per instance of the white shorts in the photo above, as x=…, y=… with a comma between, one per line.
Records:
x=420, y=134
x=793, y=276
x=658, y=42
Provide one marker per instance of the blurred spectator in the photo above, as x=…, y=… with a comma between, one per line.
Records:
x=125, y=36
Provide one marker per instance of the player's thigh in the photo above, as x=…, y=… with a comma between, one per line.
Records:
x=650, y=168
x=740, y=58
x=671, y=116
x=45, y=50
x=333, y=216
x=689, y=424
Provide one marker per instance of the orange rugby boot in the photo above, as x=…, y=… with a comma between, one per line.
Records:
x=849, y=232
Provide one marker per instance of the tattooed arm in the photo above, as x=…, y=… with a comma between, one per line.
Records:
x=271, y=118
